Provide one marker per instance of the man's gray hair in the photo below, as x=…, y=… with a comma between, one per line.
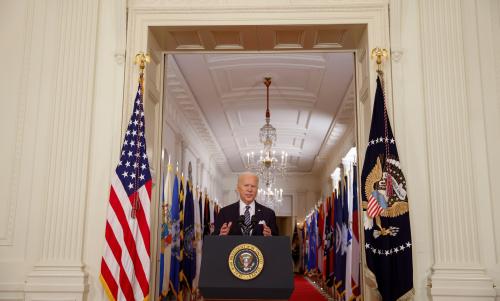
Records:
x=247, y=173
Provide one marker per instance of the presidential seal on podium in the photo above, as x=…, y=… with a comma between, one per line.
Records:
x=246, y=261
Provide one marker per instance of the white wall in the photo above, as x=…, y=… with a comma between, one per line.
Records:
x=14, y=215
x=51, y=50
x=106, y=138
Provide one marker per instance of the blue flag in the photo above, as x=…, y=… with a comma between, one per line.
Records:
x=189, y=255
x=313, y=229
x=385, y=204
x=329, y=242
x=165, y=235
x=341, y=216
x=175, y=257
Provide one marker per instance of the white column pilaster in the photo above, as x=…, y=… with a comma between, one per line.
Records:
x=58, y=273
x=457, y=273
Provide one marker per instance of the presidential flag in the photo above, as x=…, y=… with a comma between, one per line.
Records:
x=126, y=259
x=388, y=246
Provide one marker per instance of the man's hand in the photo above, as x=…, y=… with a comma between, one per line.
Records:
x=224, y=230
x=267, y=231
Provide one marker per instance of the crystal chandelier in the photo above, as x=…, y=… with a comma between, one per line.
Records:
x=268, y=166
x=270, y=197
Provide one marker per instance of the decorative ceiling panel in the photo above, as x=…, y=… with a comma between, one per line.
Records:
x=289, y=39
x=281, y=117
x=241, y=76
x=187, y=40
x=223, y=96
x=332, y=38
x=311, y=101
x=227, y=40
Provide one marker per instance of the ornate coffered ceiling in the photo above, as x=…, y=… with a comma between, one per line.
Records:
x=215, y=78
x=223, y=97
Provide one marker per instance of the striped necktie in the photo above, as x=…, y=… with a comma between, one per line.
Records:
x=247, y=215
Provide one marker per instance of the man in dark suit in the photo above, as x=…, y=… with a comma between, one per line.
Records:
x=235, y=218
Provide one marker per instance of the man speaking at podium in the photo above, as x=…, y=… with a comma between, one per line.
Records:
x=246, y=217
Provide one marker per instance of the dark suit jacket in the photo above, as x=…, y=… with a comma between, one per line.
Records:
x=231, y=213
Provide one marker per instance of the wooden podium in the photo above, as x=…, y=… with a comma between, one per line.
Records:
x=274, y=282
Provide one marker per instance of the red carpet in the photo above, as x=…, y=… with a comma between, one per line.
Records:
x=305, y=291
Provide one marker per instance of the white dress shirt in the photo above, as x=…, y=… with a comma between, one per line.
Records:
x=243, y=208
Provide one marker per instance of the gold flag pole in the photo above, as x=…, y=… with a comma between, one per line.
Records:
x=141, y=59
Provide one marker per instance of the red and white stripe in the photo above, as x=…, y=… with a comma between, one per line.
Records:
x=374, y=209
x=125, y=264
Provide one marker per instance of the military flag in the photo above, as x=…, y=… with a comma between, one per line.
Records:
x=176, y=250
x=213, y=214
x=347, y=222
x=356, y=253
x=216, y=210
x=341, y=242
x=331, y=241
x=328, y=251
x=302, y=239
x=188, y=265
x=200, y=210
x=388, y=245
x=206, y=217
x=321, y=232
x=295, y=248
x=198, y=224
x=165, y=233
x=312, y=231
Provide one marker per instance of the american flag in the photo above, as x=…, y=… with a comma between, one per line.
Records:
x=126, y=259
x=373, y=209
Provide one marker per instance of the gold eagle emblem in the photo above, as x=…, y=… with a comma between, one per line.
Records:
x=396, y=203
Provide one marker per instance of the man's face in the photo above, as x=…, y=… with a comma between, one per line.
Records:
x=247, y=188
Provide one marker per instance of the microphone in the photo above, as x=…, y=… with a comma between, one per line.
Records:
x=241, y=220
x=241, y=224
x=253, y=221
x=252, y=226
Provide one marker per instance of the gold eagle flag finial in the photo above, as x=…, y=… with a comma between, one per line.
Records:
x=141, y=59
x=379, y=54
